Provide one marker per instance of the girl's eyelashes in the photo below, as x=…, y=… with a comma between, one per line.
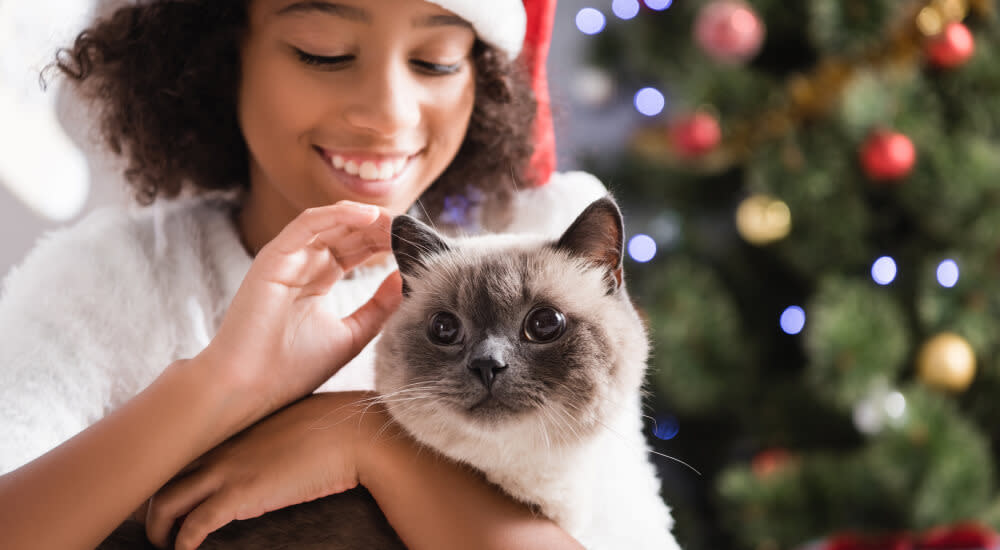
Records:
x=437, y=69
x=336, y=61
x=322, y=60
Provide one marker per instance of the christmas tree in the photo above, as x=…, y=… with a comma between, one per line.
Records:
x=814, y=212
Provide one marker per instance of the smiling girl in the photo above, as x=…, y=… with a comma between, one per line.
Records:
x=273, y=141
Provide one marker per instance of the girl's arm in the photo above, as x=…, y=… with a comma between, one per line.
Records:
x=434, y=503
x=76, y=494
x=328, y=443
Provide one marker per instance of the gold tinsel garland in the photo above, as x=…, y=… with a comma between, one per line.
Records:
x=812, y=95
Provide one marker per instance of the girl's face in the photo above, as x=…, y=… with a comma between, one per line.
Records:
x=351, y=99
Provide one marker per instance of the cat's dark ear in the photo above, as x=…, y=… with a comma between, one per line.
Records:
x=412, y=242
x=598, y=235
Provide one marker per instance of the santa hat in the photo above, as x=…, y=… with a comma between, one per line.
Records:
x=520, y=28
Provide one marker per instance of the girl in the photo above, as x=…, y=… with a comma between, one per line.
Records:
x=291, y=132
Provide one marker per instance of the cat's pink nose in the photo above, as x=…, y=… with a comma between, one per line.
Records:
x=488, y=369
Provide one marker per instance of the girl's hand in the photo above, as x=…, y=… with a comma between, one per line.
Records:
x=278, y=340
x=306, y=451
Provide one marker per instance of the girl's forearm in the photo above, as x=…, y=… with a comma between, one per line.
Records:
x=434, y=503
x=76, y=494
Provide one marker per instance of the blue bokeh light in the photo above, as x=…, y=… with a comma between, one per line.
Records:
x=884, y=270
x=649, y=101
x=625, y=9
x=659, y=5
x=590, y=21
x=667, y=427
x=642, y=248
x=947, y=273
x=793, y=320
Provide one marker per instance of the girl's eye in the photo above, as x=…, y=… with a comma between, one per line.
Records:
x=322, y=60
x=436, y=69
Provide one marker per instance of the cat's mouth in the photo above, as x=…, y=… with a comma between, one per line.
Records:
x=493, y=406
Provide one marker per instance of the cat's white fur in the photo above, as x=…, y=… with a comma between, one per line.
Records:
x=602, y=488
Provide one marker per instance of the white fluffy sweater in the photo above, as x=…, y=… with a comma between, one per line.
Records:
x=97, y=310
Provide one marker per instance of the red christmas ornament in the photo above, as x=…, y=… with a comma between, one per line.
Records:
x=963, y=536
x=696, y=134
x=887, y=156
x=769, y=462
x=893, y=541
x=951, y=47
x=729, y=31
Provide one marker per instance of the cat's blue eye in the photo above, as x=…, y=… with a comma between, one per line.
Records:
x=544, y=324
x=444, y=329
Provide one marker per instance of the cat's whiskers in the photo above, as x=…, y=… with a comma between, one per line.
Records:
x=545, y=430
x=567, y=422
x=675, y=459
x=426, y=214
x=513, y=179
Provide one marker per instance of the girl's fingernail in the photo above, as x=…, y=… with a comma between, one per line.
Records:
x=365, y=207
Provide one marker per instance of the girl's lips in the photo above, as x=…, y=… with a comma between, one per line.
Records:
x=368, y=175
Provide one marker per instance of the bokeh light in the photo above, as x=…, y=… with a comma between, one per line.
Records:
x=659, y=5
x=884, y=270
x=590, y=21
x=625, y=9
x=947, y=273
x=895, y=405
x=642, y=248
x=649, y=101
x=793, y=320
x=667, y=427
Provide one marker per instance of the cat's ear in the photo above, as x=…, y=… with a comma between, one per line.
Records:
x=598, y=236
x=412, y=242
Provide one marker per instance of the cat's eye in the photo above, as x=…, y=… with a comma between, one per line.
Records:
x=444, y=329
x=544, y=324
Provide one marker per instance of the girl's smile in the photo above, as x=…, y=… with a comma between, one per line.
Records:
x=373, y=175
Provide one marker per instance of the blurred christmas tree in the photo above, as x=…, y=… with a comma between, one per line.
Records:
x=821, y=179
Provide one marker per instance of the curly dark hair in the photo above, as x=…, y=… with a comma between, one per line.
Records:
x=164, y=76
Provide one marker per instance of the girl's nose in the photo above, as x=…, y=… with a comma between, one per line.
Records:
x=386, y=100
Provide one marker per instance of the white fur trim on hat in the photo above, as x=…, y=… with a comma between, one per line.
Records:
x=502, y=23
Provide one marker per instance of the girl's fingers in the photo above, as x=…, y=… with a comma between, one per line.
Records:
x=172, y=502
x=303, y=229
x=212, y=514
x=367, y=320
x=353, y=247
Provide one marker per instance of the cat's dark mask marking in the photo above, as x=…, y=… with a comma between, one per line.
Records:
x=412, y=242
x=597, y=235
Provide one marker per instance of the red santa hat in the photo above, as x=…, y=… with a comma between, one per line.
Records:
x=520, y=28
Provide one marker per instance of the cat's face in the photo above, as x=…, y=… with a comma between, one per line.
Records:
x=502, y=332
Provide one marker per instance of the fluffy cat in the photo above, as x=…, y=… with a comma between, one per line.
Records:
x=521, y=357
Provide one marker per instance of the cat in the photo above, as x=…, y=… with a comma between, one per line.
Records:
x=520, y=356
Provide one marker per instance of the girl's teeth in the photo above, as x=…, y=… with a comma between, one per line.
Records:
x=370, y=170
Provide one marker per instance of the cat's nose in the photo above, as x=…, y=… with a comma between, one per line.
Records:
x=487, y=368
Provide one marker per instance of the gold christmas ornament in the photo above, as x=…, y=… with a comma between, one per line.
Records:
x=929, y=21
x=947, y=361
x=762, y=220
